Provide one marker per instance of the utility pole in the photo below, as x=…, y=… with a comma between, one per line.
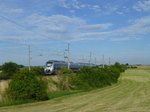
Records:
x=90, y=58
x=64, y=56
x=29, y=58
x=95, y=61
x=109, y=61
x=103, y=61
x=82, y=59
x=68, y=56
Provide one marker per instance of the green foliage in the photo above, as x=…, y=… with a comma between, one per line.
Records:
x=26, y=85
x=66, y=79
x=21, y=66
x=120, y=67
x=0, y=68
x=88, y=78
x=4, y=76
x=9, y=69
x=38, y=70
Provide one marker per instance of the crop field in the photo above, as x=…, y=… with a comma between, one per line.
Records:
x=130, y=94
x=144, y=66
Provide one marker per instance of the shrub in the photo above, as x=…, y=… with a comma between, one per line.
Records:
x=88, y=78
x=38, y=70
x=0, y=68
x=9, y=68
x=65, y=77
x=4, y=76
x=26, y=85
x=120, y=67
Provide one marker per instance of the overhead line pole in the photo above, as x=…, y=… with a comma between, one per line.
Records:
x=64, y=56
x=109, y=61
x=29, y=58
x=82, y=59
x=90, y=58
x=103, y=61
x=95, y=61
x=68, y=56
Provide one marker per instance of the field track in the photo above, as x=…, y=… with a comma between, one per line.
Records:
x=130, y=94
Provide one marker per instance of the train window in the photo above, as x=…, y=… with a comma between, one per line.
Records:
x=49, y=64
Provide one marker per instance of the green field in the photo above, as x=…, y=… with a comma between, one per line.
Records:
x=130, y=94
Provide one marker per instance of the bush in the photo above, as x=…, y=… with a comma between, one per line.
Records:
x=38, y=70
x=9, y=69
x=0, y=68
x=65, y=77
x=26, y=85
x=4, y=76
x=88, y=78
x=120, y=67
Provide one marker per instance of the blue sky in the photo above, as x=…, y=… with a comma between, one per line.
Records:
x=118, y=29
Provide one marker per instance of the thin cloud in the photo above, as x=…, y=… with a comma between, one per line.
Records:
x=95, y=26
x=75, y=4
x=15, y=11
x=142, y=6
x=125, y=38
x=65, y=28
x=8, y=10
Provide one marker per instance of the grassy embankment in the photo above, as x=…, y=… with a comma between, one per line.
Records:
x=131, y=94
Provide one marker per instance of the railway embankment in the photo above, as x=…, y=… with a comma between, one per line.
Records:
x=66, y=82
x=130, y=94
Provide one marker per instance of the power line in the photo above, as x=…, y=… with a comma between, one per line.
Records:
x=21, y=26
x=12, y=21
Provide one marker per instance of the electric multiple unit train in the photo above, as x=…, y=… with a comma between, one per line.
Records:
x=53, y=66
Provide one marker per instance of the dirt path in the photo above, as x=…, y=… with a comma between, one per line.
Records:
x=131, y=94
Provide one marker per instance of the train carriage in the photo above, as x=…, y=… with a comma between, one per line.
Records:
x=53, y=66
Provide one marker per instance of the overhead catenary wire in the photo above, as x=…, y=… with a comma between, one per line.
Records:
x=23, y=27
x=26, y=28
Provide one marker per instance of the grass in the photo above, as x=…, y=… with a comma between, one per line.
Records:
x=6, y=103
x=130, y=94
x=51, y=96
x=62, y=93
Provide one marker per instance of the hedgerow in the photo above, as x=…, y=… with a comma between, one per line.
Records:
x=26, y=85
x=38, y=70
x=88, y=78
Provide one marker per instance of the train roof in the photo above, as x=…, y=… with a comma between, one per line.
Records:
x=55, y=61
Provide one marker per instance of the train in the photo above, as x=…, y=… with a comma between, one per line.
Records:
x=53, y=66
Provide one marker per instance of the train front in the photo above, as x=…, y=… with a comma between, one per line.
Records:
x=49, y=68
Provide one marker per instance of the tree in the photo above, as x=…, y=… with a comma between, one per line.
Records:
x=9, y=68
x=26, y=85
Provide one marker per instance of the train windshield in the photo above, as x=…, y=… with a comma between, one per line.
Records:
x=49, y=64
